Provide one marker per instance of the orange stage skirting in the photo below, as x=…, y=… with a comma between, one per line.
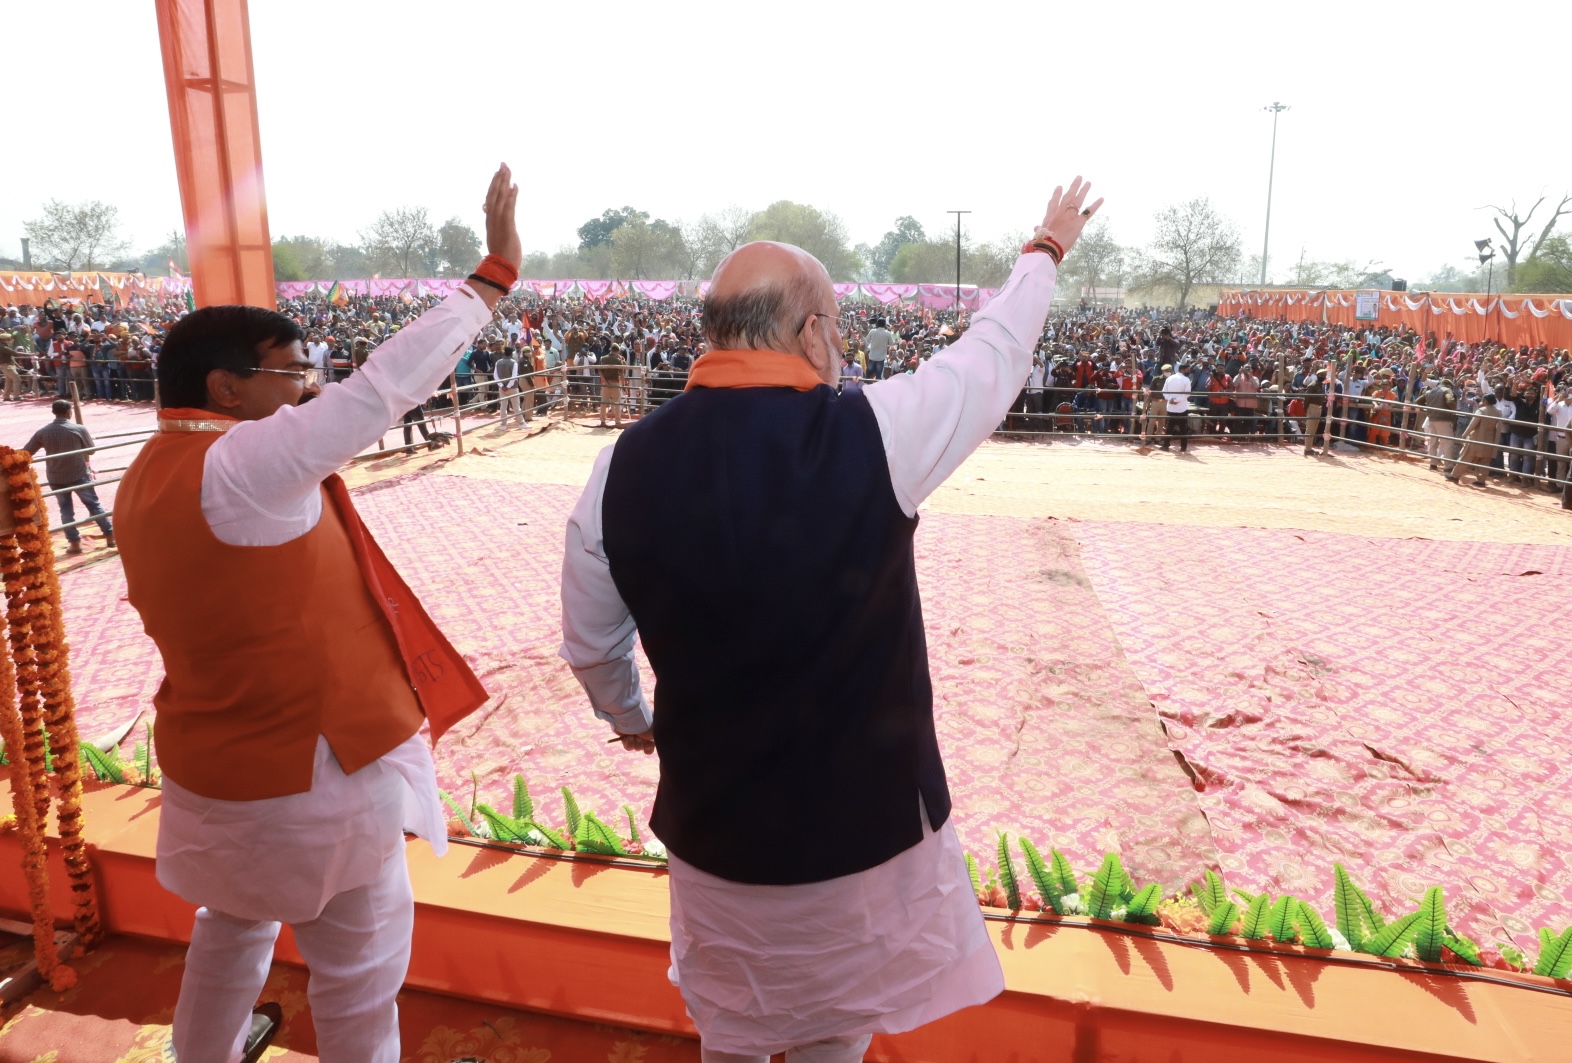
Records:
x=588, y=941
x=1517, y=320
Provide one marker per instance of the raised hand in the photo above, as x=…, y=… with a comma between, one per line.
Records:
x=502, y=231
x=1066, y=216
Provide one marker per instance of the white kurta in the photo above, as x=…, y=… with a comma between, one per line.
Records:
x=283, y=858
x=764, y=968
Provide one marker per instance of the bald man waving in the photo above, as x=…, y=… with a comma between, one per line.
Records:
x=756, y=532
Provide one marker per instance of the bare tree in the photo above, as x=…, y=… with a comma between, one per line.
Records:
x=1097, y=257
x=714, y=236
x=71, y=236
x=1194, y=245
x=400, y=239
x=1518, y=245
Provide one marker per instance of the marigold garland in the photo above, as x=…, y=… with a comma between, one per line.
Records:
x=36, y=706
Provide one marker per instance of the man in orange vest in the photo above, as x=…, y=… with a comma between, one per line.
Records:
x=298, y=666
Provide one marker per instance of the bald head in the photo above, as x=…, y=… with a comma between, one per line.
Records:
x=761, y=296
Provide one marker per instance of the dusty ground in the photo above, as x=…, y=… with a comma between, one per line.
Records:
x=1212, y=486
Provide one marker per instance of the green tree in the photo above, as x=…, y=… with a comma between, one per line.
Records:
x=907, y=231
x=1549, y=271
x=817, y=232
x=302, y=258
x=643, y=250
x=597, y=231
x=457, y=248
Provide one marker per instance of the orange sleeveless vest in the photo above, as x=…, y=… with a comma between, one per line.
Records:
x=265, y=648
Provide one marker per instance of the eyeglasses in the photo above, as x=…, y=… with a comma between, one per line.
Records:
x=307, y=377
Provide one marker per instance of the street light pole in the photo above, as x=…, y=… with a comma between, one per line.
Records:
x=1271, y=172
x=957, y=214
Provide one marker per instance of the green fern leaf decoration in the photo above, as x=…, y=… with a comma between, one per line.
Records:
x=974, y=874
x=1391, y=939
x=554, y=839
x=106, y=767
x=570, y=808
x=1224, y=916
x=523, y=804
x=633, y=827
x=1465, y=948
x=1280, y=919
x=1036, y=868
x=503, y=829
x=1373, y=916
x=1126, y=885
x=1253, y=925
x=1107, y=887
x=1312, y=929
x=1143, y=906
x=1512, y=956
x=1007, y=879
x=1202, y=897
x=1063, y=873
x=1350, y=913
x=1244, y=895
x=1430, y=932
x=459, y=812
x=1555, y=958
x=599, y=838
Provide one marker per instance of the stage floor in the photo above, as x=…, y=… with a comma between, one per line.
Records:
x=1242, y=659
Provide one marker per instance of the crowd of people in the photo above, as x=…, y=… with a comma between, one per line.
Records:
x=1147, y=376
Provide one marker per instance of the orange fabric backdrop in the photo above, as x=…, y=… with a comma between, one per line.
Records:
x=35, y=289
x=218, y=150
x=1516, y=320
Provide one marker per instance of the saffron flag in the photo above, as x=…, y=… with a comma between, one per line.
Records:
x=336, y=294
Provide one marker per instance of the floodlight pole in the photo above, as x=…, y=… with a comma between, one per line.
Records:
x=1266, y=242
x=957, y=214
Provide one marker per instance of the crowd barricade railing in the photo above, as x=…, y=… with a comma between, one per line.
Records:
x=1274, y=424
x=100, y=479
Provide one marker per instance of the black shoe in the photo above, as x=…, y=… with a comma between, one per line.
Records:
x=265, y=1021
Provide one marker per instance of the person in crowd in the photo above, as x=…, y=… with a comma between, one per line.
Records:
x=755, y=533
x=1246, y=388
x=879, y=341
x=1176, y=398
x=507, y=371
x=613, y=367
x=1440, y=402
x=288, y=730
x=1479, y=442
x=68, y=471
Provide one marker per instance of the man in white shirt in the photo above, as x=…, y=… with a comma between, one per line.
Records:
x=879, y=340
x=317, y=352
x=1176, y=398
x=755, y=533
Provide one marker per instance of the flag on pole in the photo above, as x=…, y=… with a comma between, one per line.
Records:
x=190, y=299
x=174, y=271
x=336, y=294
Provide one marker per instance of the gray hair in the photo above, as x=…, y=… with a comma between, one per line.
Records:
x=762, y=318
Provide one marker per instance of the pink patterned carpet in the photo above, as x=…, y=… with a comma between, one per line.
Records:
x=1416, y=733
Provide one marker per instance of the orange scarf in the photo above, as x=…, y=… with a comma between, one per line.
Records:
x=753, y=369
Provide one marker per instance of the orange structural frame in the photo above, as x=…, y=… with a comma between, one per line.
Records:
x=586, y=940
x=218, y=148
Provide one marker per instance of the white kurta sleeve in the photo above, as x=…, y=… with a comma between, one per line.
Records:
x=260, y=481
x=597, y=629
x=933, y=419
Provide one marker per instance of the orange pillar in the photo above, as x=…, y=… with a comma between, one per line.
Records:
x=218, y=149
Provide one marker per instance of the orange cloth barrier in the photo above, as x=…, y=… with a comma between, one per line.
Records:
x=37, y=288
x=585, y=940
x=1516, y=320
x=218, y=149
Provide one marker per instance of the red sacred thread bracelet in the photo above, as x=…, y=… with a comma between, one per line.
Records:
x=1048, y=246
x=497, y=272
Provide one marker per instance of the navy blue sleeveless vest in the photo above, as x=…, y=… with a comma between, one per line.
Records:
x=756, y=539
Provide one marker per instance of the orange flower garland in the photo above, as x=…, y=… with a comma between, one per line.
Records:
x=35, y=703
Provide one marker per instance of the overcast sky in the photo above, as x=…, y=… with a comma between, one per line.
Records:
x=1401, y=126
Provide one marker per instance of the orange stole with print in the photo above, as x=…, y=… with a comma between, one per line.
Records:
x=265, y=648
